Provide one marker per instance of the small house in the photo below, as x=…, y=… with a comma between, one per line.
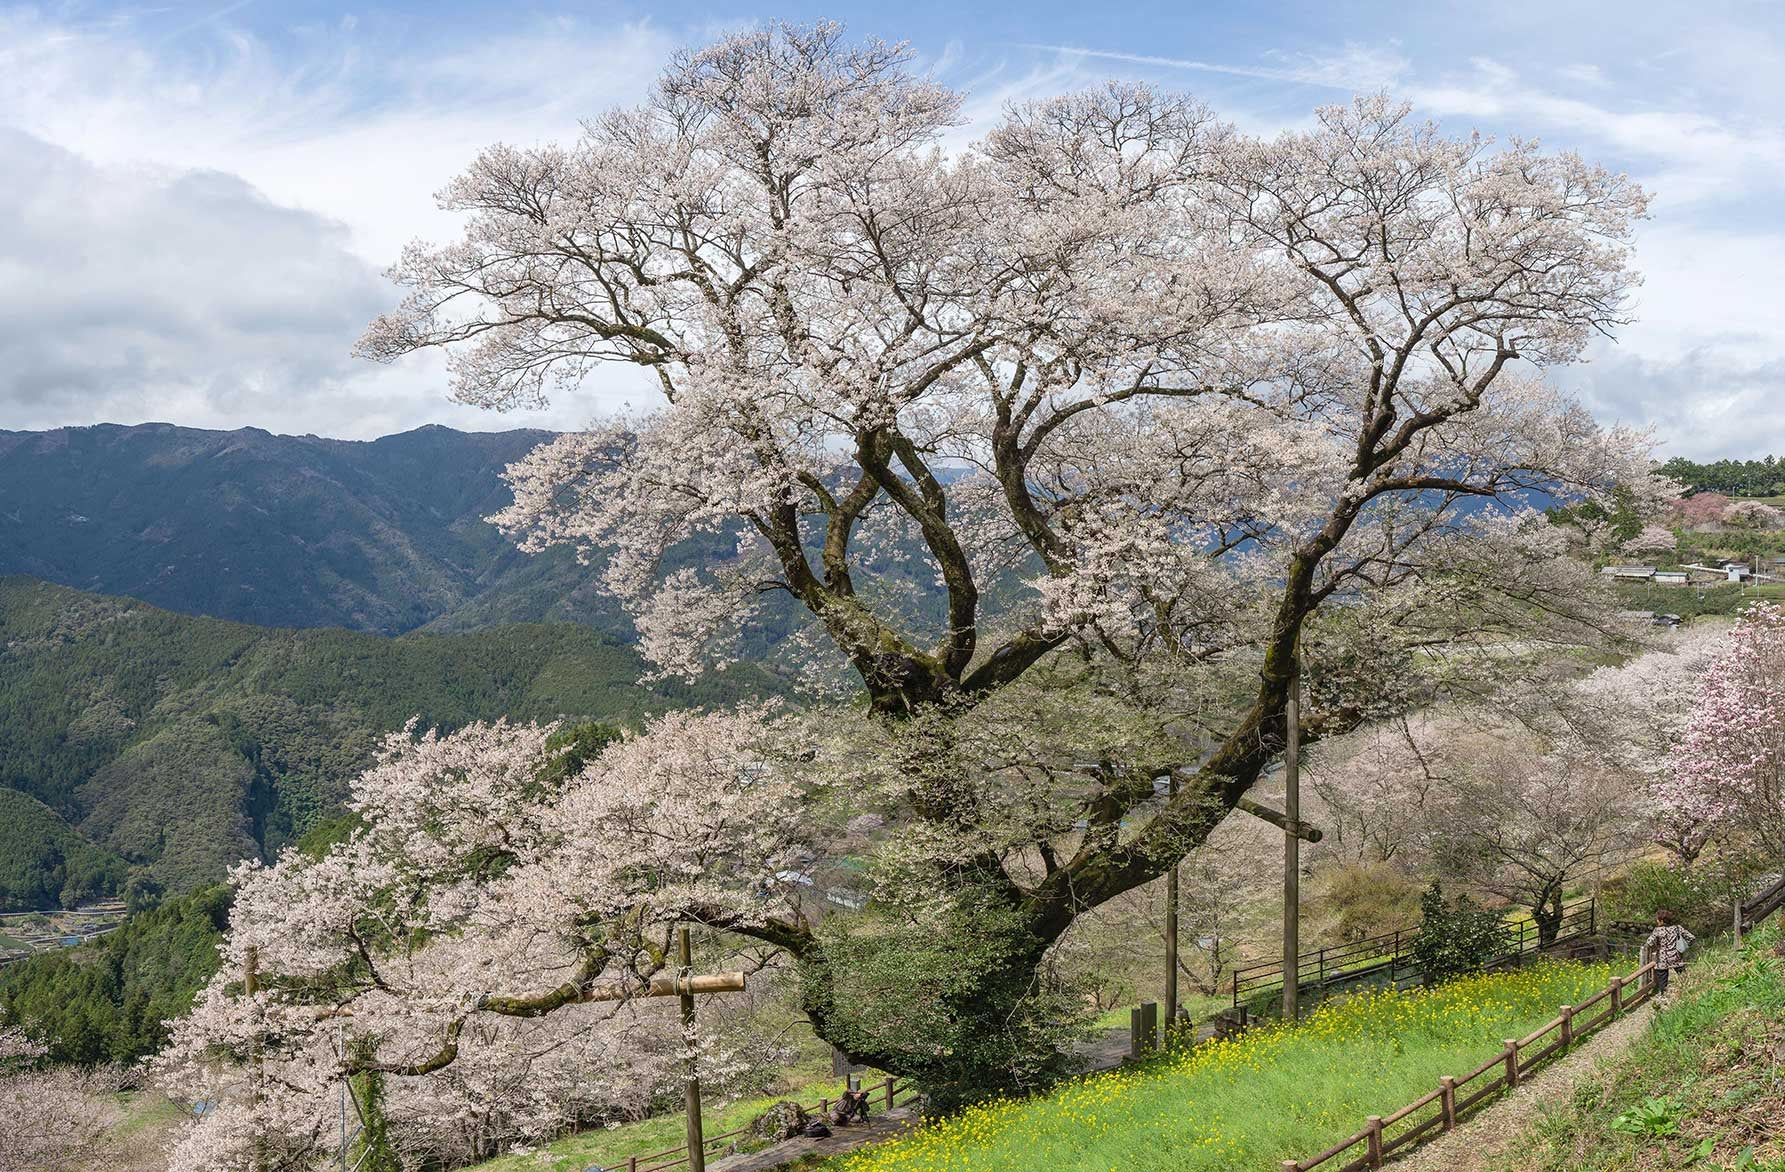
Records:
x=1671, y=577
x=1630, y=573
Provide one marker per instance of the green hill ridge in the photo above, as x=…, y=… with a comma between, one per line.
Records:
x=180, y=744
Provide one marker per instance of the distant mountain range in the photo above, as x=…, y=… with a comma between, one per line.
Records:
x=287, y=531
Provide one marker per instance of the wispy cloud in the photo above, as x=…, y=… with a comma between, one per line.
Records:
x=1352, y=69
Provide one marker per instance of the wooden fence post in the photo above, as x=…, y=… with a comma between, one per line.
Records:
x=1143, y=1023
x=1292, y=1166
x=1447, y=1099
x=1512, y=1062
x=1375, y=1141
x=1617, y=996
x=889, y=1094
x=1567, y=1026
x=631, y=1164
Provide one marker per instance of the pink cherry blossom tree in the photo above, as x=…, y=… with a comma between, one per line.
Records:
x=1753, y=515
x=1728, y=774
x=463, y=948
x=1143, y=404
x=1700, y=508
x=1653, y=541
x=52, y=1118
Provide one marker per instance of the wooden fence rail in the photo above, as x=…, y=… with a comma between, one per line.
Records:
x=887, y=1093
x=1517, y=1058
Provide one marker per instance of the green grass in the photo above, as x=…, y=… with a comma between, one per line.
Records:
x=146, y=1111
x=1270, y=1094
x=1702, y=1087
x=609, y=1147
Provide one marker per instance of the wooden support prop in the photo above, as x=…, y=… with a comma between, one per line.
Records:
x=1512, y=1062
x=684, y=981
x=1447, y=1100
x=1304, y=831
x=1171, y=940
x=1374, y=1139
x=668, y=985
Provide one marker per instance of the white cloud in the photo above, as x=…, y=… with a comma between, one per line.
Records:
x=201, y=240
x=360, y=126
x=117, y=301
x=189, y=288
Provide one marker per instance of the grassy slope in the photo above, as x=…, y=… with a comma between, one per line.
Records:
x=1712, y=1067
x=1252, y=1101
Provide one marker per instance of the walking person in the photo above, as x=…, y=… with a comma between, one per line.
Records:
x=1666, y=946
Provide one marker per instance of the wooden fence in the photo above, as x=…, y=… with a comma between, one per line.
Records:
x=1454, y=1098
x=1763, y=905
x=1391, y=955
x=887, y=1093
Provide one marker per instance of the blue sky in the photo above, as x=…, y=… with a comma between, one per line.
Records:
x=200, y=197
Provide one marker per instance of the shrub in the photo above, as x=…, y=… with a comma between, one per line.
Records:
x=1457, y=937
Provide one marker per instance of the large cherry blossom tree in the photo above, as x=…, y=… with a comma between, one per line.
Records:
x=1060, y=444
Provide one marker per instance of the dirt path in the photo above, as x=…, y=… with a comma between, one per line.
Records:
x=1478, y=1145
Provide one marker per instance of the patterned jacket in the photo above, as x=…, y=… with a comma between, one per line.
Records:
x=1667, y=944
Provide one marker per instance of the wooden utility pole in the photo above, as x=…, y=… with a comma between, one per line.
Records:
x=1171, y=936
x=1292, y=842
x=697, y=1148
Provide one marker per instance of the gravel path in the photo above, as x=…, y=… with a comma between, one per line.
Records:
x=1478, y=1144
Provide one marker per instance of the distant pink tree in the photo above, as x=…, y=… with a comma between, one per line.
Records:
x=1753, y=515
x=1653, y=539
x=1700, y=508
x=1729, y=768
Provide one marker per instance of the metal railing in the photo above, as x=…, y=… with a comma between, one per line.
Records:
x=1392, y=953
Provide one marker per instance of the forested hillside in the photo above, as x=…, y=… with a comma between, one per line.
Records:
x=109, y=1001
x=181, y=744
x=294, y=531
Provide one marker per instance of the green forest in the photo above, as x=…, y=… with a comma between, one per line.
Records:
x=138, y=741
x=107, y=1001
x=1763, y=477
